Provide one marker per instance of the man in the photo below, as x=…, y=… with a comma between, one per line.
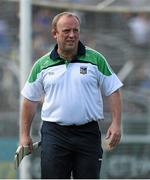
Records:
x=71, y=78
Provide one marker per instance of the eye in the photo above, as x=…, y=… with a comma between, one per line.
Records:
x=66, y=31
x=75, y=30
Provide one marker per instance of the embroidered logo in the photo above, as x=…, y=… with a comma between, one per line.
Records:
x=51, y=73
x=83, y=70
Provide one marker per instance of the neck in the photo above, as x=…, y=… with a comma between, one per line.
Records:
x=67, y=55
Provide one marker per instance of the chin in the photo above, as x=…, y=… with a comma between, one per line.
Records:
x=70, y=48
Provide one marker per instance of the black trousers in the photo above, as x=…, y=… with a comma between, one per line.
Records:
x=70, y=151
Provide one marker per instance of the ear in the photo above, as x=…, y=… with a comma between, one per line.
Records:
x=53, y=32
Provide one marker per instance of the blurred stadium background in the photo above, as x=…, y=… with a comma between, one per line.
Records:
x=119, y=29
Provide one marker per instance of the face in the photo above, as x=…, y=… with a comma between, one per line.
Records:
x=67, y=34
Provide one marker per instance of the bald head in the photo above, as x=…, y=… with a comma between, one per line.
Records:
x=59, y=16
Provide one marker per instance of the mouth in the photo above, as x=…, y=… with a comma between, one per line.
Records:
x=70, y=42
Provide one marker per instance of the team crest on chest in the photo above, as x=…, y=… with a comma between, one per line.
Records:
x=83, y=70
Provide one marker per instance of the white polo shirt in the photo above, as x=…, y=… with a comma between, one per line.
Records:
x=72, y=91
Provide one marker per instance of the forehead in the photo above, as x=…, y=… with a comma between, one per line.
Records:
x=67, y=21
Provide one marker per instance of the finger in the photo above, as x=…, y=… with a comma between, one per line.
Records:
x=30, y=147
x=115, y=140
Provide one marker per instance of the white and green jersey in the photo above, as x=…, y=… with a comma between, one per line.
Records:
x=72, y=91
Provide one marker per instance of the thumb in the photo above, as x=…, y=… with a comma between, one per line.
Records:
x=108, y=134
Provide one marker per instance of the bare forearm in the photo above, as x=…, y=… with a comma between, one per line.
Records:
x=115, y=107
x=26, y=120
x=114, y=131
x=27, y=114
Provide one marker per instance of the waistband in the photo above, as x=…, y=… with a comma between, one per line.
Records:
x=89, y=124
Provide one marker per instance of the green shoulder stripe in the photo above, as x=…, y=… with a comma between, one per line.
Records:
x=39, y=65
x=94, y=57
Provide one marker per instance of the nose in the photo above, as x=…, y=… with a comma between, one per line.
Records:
x=71, y=33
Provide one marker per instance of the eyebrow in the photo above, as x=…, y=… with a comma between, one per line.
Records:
x=67, y=28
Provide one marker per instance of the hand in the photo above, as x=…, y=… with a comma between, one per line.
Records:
x=26, y=141
x=113, y=135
